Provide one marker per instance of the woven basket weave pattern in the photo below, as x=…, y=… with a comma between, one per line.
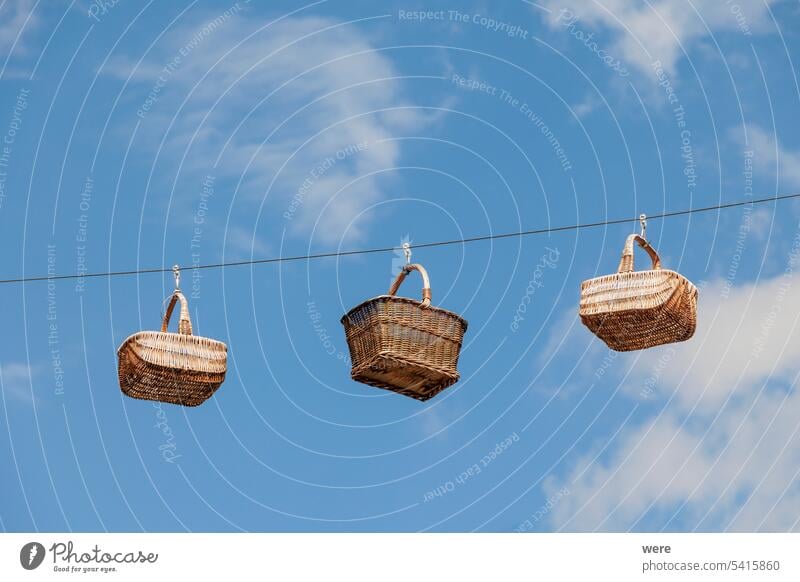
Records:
x=177, y=368
x=634, y=310
x=404, y=345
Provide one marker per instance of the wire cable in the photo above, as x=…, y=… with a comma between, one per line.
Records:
x=331, y=254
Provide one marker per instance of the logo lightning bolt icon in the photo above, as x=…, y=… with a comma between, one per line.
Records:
x=34, y=552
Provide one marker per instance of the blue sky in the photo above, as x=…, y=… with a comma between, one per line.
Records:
x=143, y=135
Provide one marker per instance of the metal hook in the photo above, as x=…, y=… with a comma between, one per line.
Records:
x=643, y=223
x=176, y=270
x=407, y=252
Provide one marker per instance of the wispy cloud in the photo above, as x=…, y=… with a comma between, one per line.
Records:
x=15, y=381
x=589, y=104
x=300, y=104
x=14, y=16
x=769, y=156
x=643, y=32
x=246, y=243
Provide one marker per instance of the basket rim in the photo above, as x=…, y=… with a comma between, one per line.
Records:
x=416, y=302
x=169, y=333
x=631, y=310
x=633, y=273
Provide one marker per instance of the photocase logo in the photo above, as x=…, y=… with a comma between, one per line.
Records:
x=31, y=555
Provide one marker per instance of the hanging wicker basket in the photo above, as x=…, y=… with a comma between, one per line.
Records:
x=634, y=310
x=404, y=345
x=177, y=368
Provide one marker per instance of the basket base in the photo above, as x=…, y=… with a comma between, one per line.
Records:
x=179, y=399
x=185, y=388
x=403, y=377
x=631, y=331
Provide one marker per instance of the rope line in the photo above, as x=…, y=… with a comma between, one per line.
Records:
x=331, y=254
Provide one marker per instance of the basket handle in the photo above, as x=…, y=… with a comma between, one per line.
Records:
x=426, y=282
x=184, y=321
x=626, y=263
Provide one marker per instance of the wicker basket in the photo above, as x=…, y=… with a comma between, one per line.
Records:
x=634, y=310
x=177, y=368
x=404, y=345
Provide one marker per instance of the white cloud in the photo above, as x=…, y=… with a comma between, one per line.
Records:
x=14, y=15
x=769, y=156
x=245, y=243
x=724, y=446
x=761, y=221
x=587, y=106
x=737, y=473
x=644, y=32
x=318, y=113
x=15, y=381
